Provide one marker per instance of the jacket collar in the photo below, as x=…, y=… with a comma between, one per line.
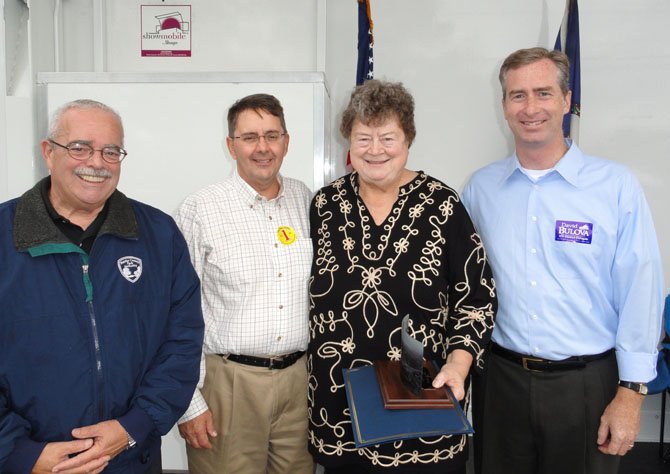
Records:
x=33, y=226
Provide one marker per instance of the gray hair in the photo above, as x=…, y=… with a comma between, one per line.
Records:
x=80, y=104
x=374, y=102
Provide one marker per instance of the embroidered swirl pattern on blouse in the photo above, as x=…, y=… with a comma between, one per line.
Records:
x=425, y=260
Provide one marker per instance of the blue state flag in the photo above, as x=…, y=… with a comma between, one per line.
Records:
x=567, y=41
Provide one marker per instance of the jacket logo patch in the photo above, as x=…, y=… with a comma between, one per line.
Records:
x=130, y=268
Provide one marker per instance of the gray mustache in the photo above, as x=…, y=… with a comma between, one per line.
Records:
x=101, y=173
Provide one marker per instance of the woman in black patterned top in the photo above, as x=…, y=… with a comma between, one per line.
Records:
x=388, y=242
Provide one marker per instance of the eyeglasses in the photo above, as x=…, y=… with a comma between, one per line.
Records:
x=82, y=151
x=366, y=142
x=254, y=138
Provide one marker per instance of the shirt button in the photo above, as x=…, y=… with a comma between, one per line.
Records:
x=278, y=338
x=270, y=217
x=533, y=251
x=536, y=349
x=533, y=317
x=533, y=283
x=276, y=245
x=534, y=218
x=279, y=275
x=281, y=306
x=535, y=186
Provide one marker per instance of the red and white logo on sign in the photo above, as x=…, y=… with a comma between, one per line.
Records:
x=166, y=30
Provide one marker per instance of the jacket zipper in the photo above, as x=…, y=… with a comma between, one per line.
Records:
x=96, y=339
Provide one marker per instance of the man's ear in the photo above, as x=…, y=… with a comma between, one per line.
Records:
x=287, y=138
x=568, y=99
x=231, y=148
x=47, y=153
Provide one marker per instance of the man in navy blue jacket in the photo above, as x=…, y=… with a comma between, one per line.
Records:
x=100, y=319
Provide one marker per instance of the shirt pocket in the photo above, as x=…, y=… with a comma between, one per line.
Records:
x=573, y=260
x=301, y=254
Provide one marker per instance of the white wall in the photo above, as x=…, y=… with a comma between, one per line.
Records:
x=16, y=117
x=447, y=52
x=3, y=111
x=179, y=118
x=259, y=35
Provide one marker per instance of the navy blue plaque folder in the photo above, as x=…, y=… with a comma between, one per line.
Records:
x=373, y=424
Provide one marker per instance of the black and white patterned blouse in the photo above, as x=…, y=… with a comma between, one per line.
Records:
x=425, y=260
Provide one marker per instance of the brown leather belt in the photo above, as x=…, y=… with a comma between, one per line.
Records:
x=545, y=365
x=280, y=362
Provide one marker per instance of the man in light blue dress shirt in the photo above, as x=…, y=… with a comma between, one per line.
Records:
x=574, y=253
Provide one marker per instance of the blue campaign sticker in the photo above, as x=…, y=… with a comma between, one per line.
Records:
x=572, y=231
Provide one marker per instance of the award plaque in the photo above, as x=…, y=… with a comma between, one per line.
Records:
x=372, y=423
x=407, y=384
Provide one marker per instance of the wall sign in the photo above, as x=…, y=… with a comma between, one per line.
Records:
x=166, y=30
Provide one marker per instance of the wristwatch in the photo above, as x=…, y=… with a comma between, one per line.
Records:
x=131, y=442
x=636, y=387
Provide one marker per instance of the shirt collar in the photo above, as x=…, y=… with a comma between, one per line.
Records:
x=571, y=163
x=45, y=187
x=250, y=195
x=568, y=166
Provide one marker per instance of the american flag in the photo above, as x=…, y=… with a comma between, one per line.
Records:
x=364, y=71
x=365, y=65
x=567, y=41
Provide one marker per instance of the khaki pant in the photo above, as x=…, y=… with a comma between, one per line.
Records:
x=261, y=419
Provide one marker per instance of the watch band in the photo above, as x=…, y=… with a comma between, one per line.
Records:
x=131, y=441
x=636, y=387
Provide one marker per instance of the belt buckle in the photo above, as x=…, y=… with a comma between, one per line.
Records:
x=275, y=360
x=525, y=360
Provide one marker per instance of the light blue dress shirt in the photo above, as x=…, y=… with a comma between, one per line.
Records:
x=575, y=259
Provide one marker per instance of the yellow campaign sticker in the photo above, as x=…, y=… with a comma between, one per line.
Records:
x=286, y=235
